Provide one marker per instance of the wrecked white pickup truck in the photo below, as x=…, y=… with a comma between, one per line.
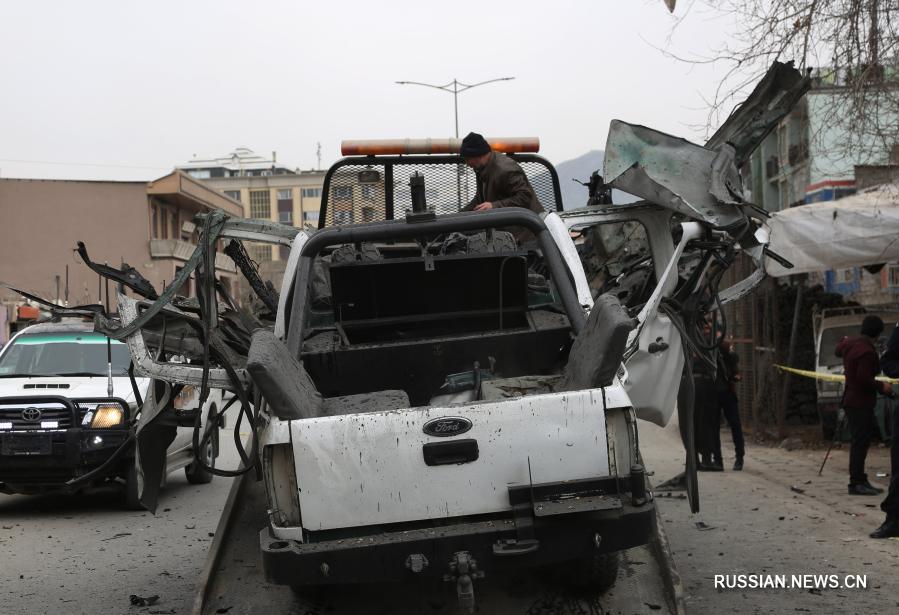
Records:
x=431, y=401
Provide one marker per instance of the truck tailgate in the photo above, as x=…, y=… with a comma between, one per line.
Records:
x=367, y=469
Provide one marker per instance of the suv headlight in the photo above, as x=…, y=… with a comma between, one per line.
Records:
x=107, y=415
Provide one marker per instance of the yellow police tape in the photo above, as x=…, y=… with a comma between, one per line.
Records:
x=827, y=377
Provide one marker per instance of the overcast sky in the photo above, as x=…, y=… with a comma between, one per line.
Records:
x=140, y=87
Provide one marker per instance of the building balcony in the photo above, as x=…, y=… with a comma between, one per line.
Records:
x=182, y=251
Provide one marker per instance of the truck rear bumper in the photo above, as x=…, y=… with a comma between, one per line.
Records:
x=392, y=555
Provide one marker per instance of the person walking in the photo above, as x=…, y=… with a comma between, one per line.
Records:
x=861, y=366
x=726, y=383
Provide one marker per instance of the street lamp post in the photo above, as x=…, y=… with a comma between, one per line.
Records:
x=456, y=87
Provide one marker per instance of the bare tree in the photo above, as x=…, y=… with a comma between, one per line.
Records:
x=851, y=48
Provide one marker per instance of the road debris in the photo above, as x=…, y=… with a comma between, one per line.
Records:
x=141, y=601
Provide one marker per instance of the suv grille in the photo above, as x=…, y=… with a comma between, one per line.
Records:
x=20, y=423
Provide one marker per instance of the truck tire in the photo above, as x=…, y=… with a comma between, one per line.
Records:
x=132, y=502
x=594, y=574
x=195, y=473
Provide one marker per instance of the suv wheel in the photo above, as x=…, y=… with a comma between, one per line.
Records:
x=196, y=474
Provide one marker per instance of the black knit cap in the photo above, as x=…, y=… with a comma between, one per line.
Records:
x=474, y=145
x=872, y=326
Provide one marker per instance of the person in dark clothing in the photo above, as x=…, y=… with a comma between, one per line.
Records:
x=706, y=418
x=860, y=367
x=501, y=182
x=726, y=383
x=890, y=505
x=706, y=411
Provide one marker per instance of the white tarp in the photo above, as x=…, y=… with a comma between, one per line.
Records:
x=858, y=230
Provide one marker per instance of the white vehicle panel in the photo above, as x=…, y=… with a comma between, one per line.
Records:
x=560, y=234
x=367, y=469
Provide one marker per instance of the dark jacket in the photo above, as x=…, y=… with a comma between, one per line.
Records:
x=503, y=182
x=861, y=366
x=728, y=368
x=889, y=362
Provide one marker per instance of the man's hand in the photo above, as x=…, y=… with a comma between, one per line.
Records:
x=886, y=388
x=484, y=206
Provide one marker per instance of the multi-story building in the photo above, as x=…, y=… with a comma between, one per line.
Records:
x=814, y=156
x=266, y=189
x=147, y=225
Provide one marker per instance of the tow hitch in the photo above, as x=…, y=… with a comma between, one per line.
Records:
x=464, y=570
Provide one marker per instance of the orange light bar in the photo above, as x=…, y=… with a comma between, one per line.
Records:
x=382, y=147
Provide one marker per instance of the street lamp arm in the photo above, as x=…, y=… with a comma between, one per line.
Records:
x=445, y=88
x=465, y=86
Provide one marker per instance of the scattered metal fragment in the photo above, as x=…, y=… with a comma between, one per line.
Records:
x=702, y=526
x=141, y=601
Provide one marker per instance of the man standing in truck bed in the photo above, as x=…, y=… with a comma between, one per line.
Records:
x=501, y=182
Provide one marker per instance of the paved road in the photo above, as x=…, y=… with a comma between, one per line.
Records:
x=755, y=522
x=86, y=554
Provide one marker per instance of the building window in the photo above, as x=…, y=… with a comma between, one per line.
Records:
x=368, y=193
x=233, y=194
x=154, y=222
x=343, y=193
x=260, y=205
x=164, y=222
x=310, y=216
x=845, y=276
x=893, y=276
x=199, y=173
x=184, y=291
x=343, y=217
x=175, y=232
x=261, y=252
x=285, y=206
x=368, y=214
x=312, y=193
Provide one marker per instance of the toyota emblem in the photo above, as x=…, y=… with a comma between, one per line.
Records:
x=31, y=415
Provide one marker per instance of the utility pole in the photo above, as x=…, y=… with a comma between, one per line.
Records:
x=318, y=154
x=456, y=87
